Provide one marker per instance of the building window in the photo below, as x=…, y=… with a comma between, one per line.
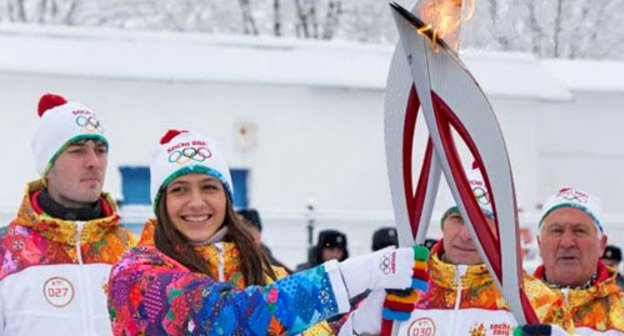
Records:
x=135, y=185
x=239, y=179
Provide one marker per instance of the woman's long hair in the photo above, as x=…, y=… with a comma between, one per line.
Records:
x=255, y=264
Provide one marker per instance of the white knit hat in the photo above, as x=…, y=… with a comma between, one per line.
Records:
x=574, y=198
x=62, y=123
x=181, y=153
x=480, y=191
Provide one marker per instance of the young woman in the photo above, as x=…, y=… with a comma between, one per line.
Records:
x=196, y=271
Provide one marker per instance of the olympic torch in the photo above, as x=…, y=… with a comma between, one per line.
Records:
x=430, y=75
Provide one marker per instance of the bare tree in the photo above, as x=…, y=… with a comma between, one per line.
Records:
x=277, y=18
x=332, y=19
x=307, y=22
x=536, y=32
x=560, y=28
x=41, y=11
x=249, y=23
x=557, y=28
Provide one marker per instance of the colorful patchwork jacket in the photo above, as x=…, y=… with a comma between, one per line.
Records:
x=464, y=301
x=152, y=294
x=52, y=271
x=598, y=310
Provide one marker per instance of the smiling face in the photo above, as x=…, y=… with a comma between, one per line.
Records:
x=196, y=205
x=77, y=176
x=570, y=245
x=459, y=249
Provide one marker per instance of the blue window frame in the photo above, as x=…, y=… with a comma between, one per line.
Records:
x=135, y=183
x=239, y=179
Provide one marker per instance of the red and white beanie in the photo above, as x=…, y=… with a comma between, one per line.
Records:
x=182, y=152
x=574, y=198
x=62, y=123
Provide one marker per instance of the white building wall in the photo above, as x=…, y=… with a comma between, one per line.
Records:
x=581, y=144
x=324, y=145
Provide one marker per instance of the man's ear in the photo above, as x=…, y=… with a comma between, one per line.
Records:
x=45, y=178
x=603, y=243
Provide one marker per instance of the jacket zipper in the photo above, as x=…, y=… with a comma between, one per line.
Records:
x=565, y=291
x=81, y=280
x=460, y=271
x=221, y=261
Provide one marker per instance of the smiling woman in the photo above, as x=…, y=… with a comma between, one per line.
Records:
x=197, y=270
x=195, y=204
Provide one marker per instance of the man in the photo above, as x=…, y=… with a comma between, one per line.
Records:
x=57, y=253
x=331, y=244
x=462, y=298
x=251, y=219
x=571, y=240
x=612, y=257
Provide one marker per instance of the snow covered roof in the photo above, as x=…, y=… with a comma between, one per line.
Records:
x=513, y=75
x=112, y=53
x=585, y=75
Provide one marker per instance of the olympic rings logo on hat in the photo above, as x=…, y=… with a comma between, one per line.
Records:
x=190, y=153
x=89, y=123
x=571, y=195
x=482, y=195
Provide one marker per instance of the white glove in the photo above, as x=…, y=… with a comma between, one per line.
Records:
x=366, y=319
x=389, y=268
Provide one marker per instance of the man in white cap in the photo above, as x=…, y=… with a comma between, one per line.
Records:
x=571, y=240
x=462, y=298
x=57, y=253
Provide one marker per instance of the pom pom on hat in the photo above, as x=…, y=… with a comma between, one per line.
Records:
x=172, y=133
x=49, y=101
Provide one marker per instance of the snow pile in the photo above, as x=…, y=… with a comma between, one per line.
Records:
x=585, y=75
x=168, y=56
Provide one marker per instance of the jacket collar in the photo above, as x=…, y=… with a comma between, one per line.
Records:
x=44, y=200
x=604, y=285
x=31, y=215
x=444, y=274
x=223, y=258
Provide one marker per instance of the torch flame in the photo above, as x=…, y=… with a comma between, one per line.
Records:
x=445, y=18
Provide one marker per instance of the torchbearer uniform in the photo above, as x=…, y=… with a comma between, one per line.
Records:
x=464, y=300
x=53, y=271
x=223, y=260
x=597, y=309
